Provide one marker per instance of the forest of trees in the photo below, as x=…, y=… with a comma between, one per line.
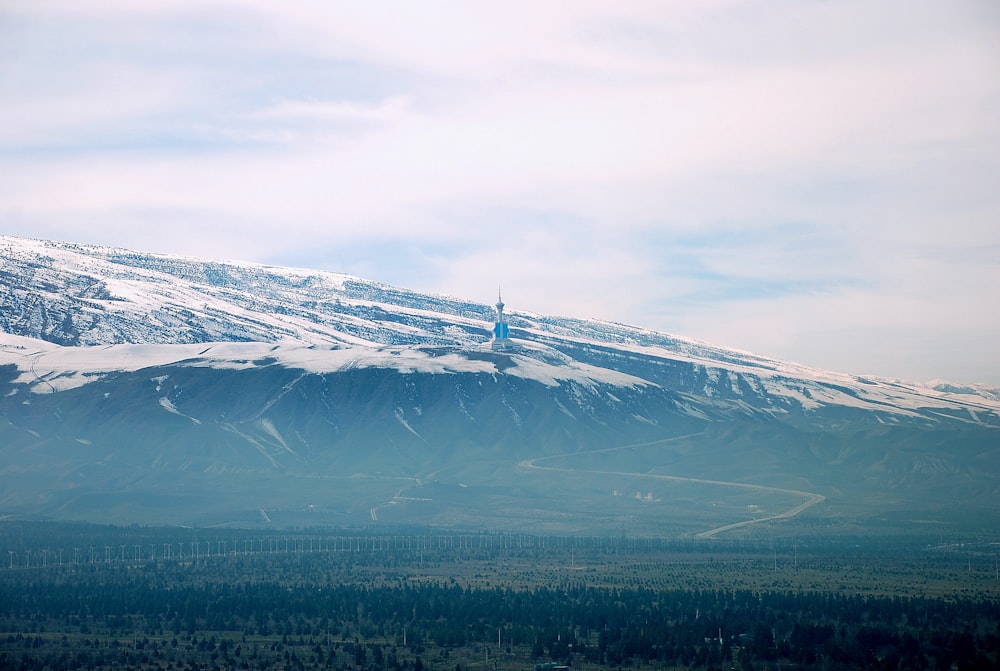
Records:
x=372, y=612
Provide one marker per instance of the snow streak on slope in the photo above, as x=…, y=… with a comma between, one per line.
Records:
x=45, y=367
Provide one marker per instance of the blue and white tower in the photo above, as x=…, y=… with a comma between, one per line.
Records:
x=501, y=331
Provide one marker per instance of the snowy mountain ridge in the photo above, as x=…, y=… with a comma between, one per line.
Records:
x=86, y=297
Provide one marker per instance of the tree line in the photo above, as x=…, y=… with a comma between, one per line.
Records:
x=93, y=617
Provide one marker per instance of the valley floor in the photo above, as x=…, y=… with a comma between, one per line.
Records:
x=75, y=596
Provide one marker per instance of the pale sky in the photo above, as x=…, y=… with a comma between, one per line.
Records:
x=817, y=181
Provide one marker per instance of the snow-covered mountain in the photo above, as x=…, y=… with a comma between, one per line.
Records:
x=136, y=383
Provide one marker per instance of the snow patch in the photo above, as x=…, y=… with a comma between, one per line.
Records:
x=166, y=404
x=270, y=429
x=159, y=380
x=406, y=425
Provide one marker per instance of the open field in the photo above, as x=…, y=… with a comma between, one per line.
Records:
x=885, y=565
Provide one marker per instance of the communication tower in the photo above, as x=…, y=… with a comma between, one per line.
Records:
x=501, y=332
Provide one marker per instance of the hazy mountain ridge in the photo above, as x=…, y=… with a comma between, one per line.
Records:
x=128, y=378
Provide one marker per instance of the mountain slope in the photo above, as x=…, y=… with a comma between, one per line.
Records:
x=141, y=387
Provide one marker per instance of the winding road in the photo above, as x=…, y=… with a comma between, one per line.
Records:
x=811, y=499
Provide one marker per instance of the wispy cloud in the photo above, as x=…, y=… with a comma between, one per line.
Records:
x=811, y=180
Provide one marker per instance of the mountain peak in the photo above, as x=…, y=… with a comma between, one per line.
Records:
x=128, y=373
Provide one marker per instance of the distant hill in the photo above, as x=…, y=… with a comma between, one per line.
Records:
x=151, y=388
